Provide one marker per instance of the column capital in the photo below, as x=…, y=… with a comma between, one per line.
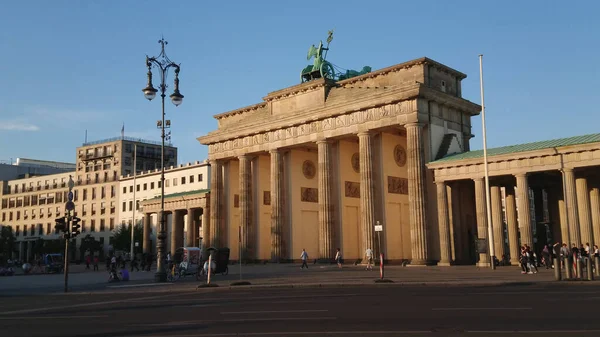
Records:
x=567, y=169
x=275, y=151
x=521, y=174
x=367, y=133
x=478, y=178
x=243, y=156
x=441, y=183
x=415, y=125
x=323, y=141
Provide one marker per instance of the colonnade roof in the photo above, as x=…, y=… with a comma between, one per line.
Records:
x=510, y=149
x=180, y=194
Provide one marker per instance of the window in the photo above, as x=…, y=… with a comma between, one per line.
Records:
x=102, y=208
x=124, y=207
x=145, y=186
x=93, y=193
x=137, y=205
x=48, y=229
x=111, y=224
x=152, y=185
x=32, y=230
x=167, y=182
x=3, y=216
x=10, y=216
x=83, y=210
x=130, y=188
x=174, y=181
x=159, y=184
x=18, y=215
x=84, y=194
x=200, y=177
x=83, y=226
x=113, y=191
x=40, y=229
x=131, y=205
x=112, y=207
x=191, y=179
x=102, y=226
x=124, y=189
x=76, y=195
x=103, y=192
x=93, y=226
x=182, y=180
x=137, y=188
x=17, y=230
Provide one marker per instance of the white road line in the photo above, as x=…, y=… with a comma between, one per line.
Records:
x=238, y=320
x=141, y=285
x=304, y=297
x=52, y=317
x=561, y=332
x=529, y=293
x=83, y=305
x=308, y=333
x=471, y=309
x=269, y=312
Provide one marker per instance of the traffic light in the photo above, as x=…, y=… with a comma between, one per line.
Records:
x=75, y=226
x=61, y=224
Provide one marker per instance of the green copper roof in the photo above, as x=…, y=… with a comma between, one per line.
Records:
x=181, y=194
x=546, y=144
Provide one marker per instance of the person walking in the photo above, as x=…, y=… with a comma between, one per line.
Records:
x=338, y=258
x=87, y=262
x=369, y=258
x=95, y=263
x=304, y=257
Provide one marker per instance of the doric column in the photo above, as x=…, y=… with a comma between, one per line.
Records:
x=417, y=193
x=367, y=202
x=205, y=228
x=595, y=208
x=190, y=234
x=564, y=221
x=146, y=241
x=456, y=222
x=444, y=224
x=176, y=231
x=246, y=206
x=512, y=225
x=571, y=203
x=276, y=204
x=216, y=196
x=524, y=210
x=325, y=201
x=497, y=223
x=482, y=228
x=585, y=216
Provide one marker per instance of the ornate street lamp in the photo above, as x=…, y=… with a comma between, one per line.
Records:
x=162, y=63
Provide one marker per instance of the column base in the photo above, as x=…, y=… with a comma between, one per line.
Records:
x=415, y=262
x=444, y=264
x=483, y=264
x=515, y=263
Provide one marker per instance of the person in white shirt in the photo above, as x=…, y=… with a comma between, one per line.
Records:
x=369, y=257
x=304, y=257
x=338, y=258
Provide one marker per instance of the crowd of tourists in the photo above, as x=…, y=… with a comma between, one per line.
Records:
x=568, y=257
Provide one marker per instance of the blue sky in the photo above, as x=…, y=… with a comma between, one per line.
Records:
x=71, y=66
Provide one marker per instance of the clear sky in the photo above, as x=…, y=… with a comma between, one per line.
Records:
x=71, y=66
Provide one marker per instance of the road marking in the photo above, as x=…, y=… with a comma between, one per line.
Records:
x=51, y=317
x=83, y=305
x=141, y=285
x=465, y=309
x=562, y=332
x=304, y=297
x=529, y=293
x=237, y=320
x=268, y=312
x=308, y=333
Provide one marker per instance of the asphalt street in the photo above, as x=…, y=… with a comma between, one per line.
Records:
x=384, y=310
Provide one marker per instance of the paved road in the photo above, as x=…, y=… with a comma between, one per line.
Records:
x=386, y=310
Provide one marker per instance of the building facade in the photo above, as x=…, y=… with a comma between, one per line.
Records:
x=24, y=168
x=139, y=194
x=316, y=166
x=31, y=205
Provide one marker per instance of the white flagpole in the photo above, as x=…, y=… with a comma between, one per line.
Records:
x=485, y=164
x=134, y=201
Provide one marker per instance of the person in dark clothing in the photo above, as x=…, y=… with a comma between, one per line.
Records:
x=546, y=257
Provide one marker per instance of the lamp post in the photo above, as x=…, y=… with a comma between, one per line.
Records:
x=163, y=64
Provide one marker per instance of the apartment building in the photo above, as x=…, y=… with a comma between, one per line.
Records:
x=146, y=185
x=98, y=165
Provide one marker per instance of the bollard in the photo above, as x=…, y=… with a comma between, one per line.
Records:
x=590, y=271
x=597, y=265
x=579, y=269
x=557, y=272
x=209, y=269
x=568, y=270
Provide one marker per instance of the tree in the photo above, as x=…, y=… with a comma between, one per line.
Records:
x=88, y=243
x=7, y=243
x=121, y=238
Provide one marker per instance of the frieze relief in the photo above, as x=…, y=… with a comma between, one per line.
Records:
x=397, y=185
x=308, y=194
x=330, y=123
x=352, y=189
x=266, y=198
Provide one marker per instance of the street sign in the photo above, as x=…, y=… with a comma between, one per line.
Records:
x=70, y=196
x=70, y=206
x=379, y=228
x=137, y=244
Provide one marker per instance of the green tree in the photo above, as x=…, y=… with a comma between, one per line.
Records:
x=7, y=243
x=121, y=238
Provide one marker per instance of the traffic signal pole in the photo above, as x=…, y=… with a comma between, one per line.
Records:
x=66, y=268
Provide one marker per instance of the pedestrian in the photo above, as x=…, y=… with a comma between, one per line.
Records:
x=143, y=262
x=149, y=262
x=523, y=261
x=113, y=263
x=338, y=258
x=134, y=264
x=369, y=258
x=87, y=262
x=95, y=263
x=546, y=256
x=304, y=257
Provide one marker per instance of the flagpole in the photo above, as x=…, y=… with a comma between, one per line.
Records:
x=134, y=201
x=485, y=165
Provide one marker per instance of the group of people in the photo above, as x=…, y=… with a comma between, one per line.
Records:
x=338, y=258
x=529, y=259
